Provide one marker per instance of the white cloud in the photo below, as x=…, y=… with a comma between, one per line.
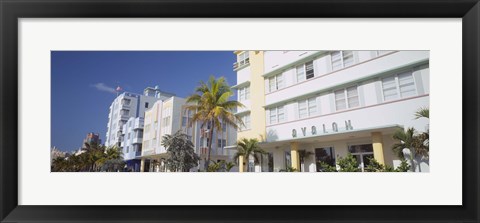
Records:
x=103, y=87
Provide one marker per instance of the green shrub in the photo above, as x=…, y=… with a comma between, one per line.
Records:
x=325, y=167
x=375, y=166
x=404, y=166
x=348, y=164
x=289, y=169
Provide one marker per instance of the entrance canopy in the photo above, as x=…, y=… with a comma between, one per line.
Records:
x=336, y=136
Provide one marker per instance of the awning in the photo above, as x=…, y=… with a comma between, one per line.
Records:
x=336, y=136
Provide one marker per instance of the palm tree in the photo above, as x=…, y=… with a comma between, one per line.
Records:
x=416, y=143
x=422, y=113
x=59, y=164
x=229, y=166
x=422, y=140
x=93, y=153
x=112, y=158
x=406, y=140
x=211, y=106
x=247, y=148
x=215, y=166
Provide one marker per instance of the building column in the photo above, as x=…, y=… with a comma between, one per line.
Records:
x=377, y=144
x=142, y=165
x=295, y=156
x=241, y=167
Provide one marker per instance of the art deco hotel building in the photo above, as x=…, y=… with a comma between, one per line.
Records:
x=327, y=104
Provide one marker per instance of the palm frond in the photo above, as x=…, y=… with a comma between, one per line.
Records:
x=422, y=113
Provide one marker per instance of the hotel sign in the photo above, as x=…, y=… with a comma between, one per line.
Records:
x=313, y=129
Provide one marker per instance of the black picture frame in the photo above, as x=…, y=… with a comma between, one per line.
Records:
x=11, y=11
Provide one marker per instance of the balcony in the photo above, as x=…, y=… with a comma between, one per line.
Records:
x=241, y=64
x=138, y=124
x=137, y=140
x=125, y=106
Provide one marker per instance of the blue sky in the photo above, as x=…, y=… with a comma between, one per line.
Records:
x=83, y=83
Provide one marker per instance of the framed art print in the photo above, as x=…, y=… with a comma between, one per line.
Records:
x=144, y=111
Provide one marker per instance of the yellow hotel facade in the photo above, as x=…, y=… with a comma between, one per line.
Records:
x=310, y=106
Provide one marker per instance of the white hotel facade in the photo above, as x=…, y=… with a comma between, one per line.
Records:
x=127, y=105
x=137, y=124
x=170, y=115
x=125, y=122
x=329, y=104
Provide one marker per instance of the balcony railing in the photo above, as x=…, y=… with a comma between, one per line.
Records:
x=137, y=140
x=138, y=125
x=240, y=64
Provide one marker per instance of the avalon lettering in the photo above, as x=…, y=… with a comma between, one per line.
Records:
x=348, y=126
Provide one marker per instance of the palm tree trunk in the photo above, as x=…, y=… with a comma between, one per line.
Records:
x=209, y=144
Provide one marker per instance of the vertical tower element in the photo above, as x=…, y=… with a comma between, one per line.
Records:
x=241, y=166
x=254, y=70
x=377, y=144
x=295, y=156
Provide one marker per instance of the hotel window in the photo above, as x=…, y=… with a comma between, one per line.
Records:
x=244, y=93
x=273, y=116
x=243, y=58
x=224, y=127
x=398, y=86
x=341, y=59
x=124, y=112
x=167, y=121
x=126, y=101
x=184, y=121
x=146, y=104
x=350, y=101
x=246, y=122
x=288, y=160
x=276, y=82
x=277, y=115
x=305, y=71
x=270, y=162
x=307, y=107
x=128, y=148
x=325, y=155
x=251, y=165
x=363, y=154
x=221, y=143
